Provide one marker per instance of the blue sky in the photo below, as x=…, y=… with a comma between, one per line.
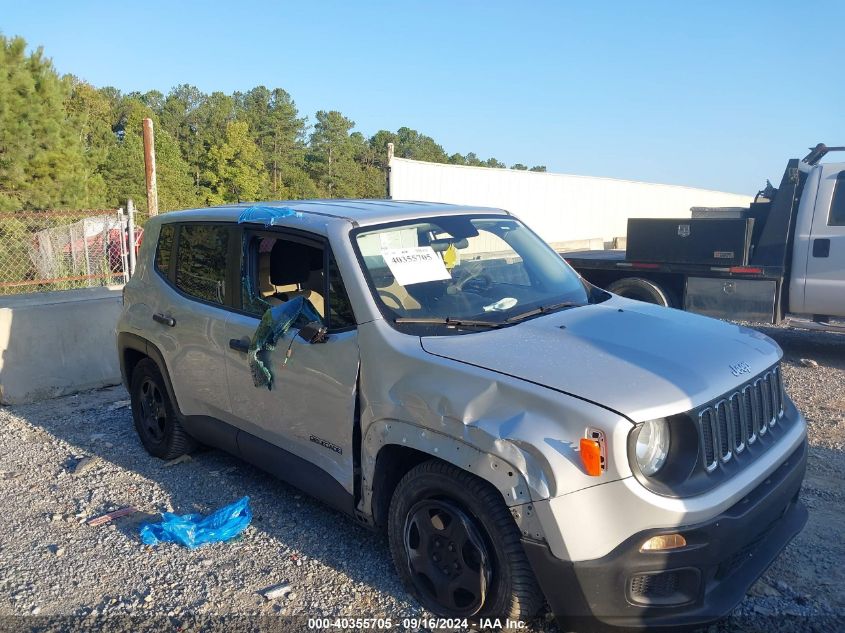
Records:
x=710, y=94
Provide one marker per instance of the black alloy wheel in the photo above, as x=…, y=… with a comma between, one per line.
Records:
x=448, y=559
x=456, y=547
x=153, y=413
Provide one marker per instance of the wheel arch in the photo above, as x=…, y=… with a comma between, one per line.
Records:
x=131, y=350
x=671, y=283
x=668, y=288
x=391, y=448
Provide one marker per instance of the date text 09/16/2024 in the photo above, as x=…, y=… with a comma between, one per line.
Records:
x=412, y=623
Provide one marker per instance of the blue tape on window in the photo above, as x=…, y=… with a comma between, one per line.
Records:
x=268, y=216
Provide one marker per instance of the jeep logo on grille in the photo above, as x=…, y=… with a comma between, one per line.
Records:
x=740, y=368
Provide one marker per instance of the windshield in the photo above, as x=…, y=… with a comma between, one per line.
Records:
x=466, y=272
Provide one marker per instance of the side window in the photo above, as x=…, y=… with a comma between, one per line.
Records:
x=164, y=249
x=201, y=261
x=279, y=269
x=837, y=205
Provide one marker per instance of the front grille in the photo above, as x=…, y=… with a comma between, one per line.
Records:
x=739, y=418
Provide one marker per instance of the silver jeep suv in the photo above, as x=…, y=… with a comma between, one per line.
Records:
x=441, y=373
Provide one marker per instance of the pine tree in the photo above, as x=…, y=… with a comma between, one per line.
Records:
x=332, y=162
x=41, y=159
x=236, y=170
x=124, y=167
x=279, y=132
x=90, y=114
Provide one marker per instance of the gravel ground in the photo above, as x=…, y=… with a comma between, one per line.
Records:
x=53, y=564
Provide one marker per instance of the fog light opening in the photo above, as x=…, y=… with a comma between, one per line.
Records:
x=664, y=542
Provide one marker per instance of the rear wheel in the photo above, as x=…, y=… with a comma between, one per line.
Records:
x=456, y=547
x=642, y=290
x=154, y=416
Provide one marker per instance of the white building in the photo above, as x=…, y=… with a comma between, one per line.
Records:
x=561, y=208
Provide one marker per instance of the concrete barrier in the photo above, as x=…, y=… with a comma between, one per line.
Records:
x=57, y=343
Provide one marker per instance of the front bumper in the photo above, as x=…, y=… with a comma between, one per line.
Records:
x=690, y=586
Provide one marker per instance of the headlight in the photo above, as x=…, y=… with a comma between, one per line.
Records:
x=652, y=446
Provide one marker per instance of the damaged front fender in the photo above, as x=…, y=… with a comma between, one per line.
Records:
x=520, y=437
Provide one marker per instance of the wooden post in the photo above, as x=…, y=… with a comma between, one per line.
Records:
x=150, y=167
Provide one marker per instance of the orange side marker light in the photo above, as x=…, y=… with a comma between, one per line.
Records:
x=591, y=456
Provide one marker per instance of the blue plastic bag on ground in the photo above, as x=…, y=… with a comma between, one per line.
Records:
x=193, y=530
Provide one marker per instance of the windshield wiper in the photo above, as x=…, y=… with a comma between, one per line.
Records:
x=543, y=310
x=450, y=321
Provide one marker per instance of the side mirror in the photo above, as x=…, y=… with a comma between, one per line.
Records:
x=314, y=332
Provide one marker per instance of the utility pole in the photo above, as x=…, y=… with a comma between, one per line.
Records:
x=390, y=151
x=150, y=167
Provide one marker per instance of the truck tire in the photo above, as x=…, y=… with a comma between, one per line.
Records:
x=642, y=290
x=154, y=416
x=456, y=547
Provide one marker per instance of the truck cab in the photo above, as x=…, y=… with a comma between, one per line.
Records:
x=817, y=281
x=781, y=258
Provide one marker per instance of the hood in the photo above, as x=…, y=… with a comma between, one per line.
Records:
x=638, y=359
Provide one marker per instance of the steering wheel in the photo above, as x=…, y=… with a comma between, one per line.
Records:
x=478, y=284
x=475, y=270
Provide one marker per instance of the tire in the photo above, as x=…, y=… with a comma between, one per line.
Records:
x=155, y=418
x=432, y=492
x=642, y=290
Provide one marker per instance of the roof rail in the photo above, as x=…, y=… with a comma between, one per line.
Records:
x=818, y=152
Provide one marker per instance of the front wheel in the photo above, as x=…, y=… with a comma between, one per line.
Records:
x=456, y=547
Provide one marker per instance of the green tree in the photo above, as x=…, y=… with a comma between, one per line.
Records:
x=412, y=144
x=519, y=167
x=236, y=167
x=65, y=143
x=90, y=114
x=41, y=159
x=280, y=134
x=123, y=170
x=181, y=119
x=332, y=156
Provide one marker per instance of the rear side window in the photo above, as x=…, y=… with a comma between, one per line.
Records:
x=201, y=263
x=164, y=249
x=837, y=205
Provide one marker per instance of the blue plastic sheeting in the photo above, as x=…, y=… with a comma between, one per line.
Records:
x=268, y=216
x=193, y=530
x=275, y=322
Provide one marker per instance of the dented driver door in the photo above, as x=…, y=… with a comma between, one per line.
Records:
x=306, y=419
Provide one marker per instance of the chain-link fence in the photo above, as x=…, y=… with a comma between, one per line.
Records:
x=60, y=250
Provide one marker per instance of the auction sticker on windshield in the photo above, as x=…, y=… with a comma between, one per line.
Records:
x=415, y=265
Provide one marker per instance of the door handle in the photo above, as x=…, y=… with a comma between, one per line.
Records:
x=164, y=320
x=239, y=345
x=821, y=247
